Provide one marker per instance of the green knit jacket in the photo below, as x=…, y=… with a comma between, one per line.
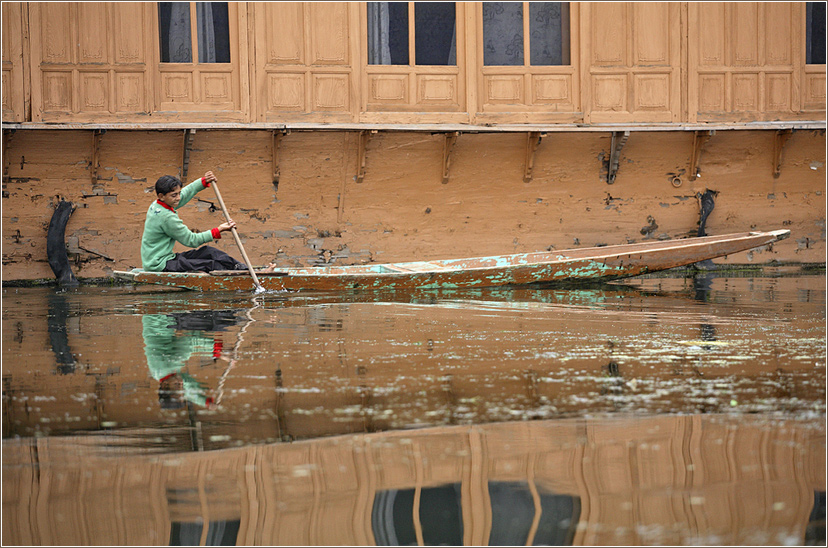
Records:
x=163, y=228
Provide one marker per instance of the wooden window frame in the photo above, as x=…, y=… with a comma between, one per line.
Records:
x=412, y=81
x=235, y=74
x=527, y=36
x=529, y=77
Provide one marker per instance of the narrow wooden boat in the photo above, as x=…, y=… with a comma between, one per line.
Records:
x=553, y=267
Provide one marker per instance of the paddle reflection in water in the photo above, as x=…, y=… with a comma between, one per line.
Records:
x=678, y=411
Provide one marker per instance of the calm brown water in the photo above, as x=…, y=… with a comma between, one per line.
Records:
x=661, y=411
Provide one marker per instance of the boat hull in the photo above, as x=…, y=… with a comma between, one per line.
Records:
x=554, y=268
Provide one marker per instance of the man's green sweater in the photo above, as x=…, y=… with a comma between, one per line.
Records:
x=163, y=228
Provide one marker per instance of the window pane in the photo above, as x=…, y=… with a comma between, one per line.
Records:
x=549, y=31
x=815, y=33
x=174, y=25
x=387, y=33
x=213, y=27
x=435, y=33
x=502, y=33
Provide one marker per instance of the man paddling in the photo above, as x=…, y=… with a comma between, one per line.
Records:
x=163, y=228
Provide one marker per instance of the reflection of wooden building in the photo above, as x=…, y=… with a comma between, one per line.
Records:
x=282, y=96
x=666, y=480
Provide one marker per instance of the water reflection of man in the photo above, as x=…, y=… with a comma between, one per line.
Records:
x=169, y=343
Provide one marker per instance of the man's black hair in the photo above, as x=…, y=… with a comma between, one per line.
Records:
x=166, y=184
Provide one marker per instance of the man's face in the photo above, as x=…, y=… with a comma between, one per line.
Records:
x=171, y=198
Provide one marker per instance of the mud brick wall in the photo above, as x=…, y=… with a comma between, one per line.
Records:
x=401, y=210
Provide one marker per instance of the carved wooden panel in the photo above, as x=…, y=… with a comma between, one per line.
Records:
x=283, y=32
x=12, y=54
x=329, y=32
x=635, y=56
x=608, y=35
x=129, y=46
x=92, y=32
x=94, y=91
x=130, y=92
x=814, y=89
x=216, y=87
x=388, y=88
x=437, y=89
x=177, y=87
x=552, y=90
x=57, y=91
x=331, y=92
x=55, y=32
x=286, y=92
x=504, y=89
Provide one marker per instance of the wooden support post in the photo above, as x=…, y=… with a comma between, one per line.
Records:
x=780, y=138
x=699, y=139
x=189, y=134
x=364, y=136
x=275, y=147
x=448, y=145
x=96, y=160
x=7, y=137
x=619, y=139
x=533, y=139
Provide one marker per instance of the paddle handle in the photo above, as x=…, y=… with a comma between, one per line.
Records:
x=214, y=184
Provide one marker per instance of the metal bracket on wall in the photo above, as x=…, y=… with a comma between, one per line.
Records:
x=275, y=149
x=189, y=134
x=364, y=136
x=533, y=140
x=448, y=145
x=699, y=139
x=7, y=137
x=780, y=138
x=96, y=160
x=619, y=139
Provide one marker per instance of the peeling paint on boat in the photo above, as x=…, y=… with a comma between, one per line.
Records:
x=579, y=265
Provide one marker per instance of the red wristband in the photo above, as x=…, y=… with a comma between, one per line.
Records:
x=204, y=183
x=216, y=233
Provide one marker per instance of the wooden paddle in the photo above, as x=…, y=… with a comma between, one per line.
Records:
x=238, y=240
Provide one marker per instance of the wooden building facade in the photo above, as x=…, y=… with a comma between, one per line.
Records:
x=355, y=132
x=318, y=62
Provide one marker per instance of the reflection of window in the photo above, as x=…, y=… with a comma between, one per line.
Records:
x=219, y=533
x=815, y=531
x=439, y=517
x=513, y=514
x=815, y=33
x=504, y=39
x=395, y=27
x=212, y=30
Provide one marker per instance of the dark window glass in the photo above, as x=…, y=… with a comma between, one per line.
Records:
x=502, y=33
x=435, y=33
x=387, y=33
x=549, y=33
x=815, y=33
x=213, y=28
x=174, y=25
x=513, y=515
x=441, y=516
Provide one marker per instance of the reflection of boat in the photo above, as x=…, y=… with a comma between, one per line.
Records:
x=554, y=267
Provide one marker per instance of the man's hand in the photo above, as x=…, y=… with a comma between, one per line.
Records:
x=224, y=227
x=209, y=177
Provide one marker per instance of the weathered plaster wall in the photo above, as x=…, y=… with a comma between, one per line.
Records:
x=402, y=210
